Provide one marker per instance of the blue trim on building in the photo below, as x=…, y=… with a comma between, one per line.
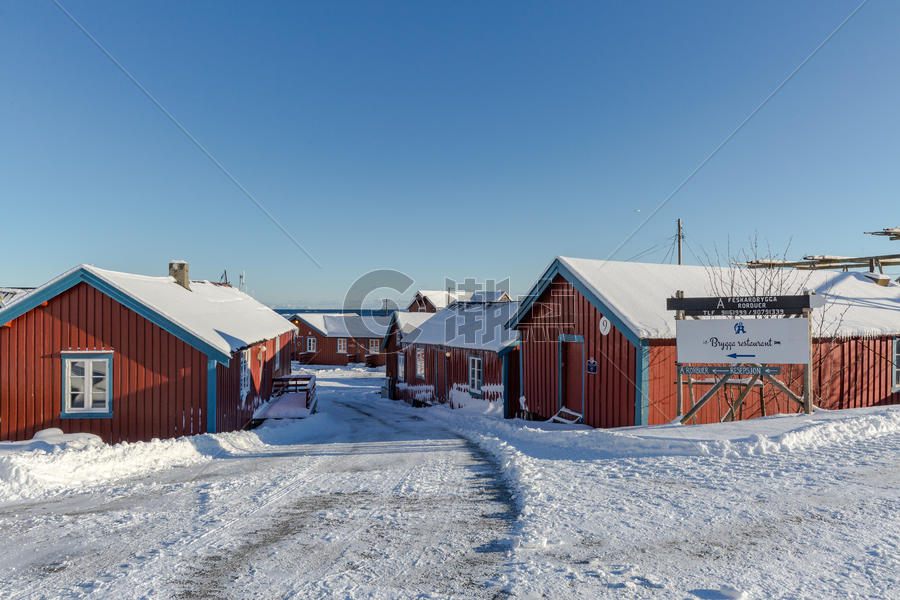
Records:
x=108, y=414
x=642, y=387
x=480, y=392
x=505, y=375
x=52, y=290
x=557, y=268
x=507, y=349
x=568, y=337
x=521, y=374
x=211, y=395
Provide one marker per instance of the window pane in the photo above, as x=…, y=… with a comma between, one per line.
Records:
x=77, y=368
x=98, y=393
x=99, y=368
x=76, y=400
x=76, y=384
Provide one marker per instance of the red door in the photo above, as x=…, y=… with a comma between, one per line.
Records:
x=572, y=376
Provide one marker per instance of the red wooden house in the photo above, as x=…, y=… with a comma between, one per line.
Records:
x=613, y=315
x=403, y=325
x=131, y=357
x=339, y=338
x=463, y=351
x=434, y=300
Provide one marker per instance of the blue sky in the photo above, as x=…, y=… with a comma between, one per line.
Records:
x=452, y=140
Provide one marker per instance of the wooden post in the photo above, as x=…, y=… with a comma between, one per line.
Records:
x=740, y=401
x=808, y=370
x=679, y=314
x=679, y=396
x=704, y=399
x=762, y=400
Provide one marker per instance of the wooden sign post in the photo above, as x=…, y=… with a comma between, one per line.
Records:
x=743, y=346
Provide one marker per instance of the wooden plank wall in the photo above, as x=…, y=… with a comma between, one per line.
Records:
x=610, y=393
x=159, y=382
x=442, y=373
x=233, y=414
x=849, y=373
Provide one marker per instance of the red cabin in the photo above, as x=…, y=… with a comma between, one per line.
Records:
x=434, y=300
x=612, y=315
x=132, y=357
x=339, y=338
x=461, y=352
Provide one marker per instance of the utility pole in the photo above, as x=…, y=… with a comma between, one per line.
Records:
x=680, y=235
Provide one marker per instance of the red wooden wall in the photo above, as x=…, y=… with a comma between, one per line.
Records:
x=159, y=382
x=441, y=373
x=849, y=373
x=609, y=395
x=231, y=413
x=421, y=304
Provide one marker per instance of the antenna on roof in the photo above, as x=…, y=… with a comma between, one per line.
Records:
x=242, y=281
x=223, y=278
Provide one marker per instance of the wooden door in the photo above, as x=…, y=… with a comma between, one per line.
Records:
x=572, y=376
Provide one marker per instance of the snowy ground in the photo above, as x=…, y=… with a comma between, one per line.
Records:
x=371, y=498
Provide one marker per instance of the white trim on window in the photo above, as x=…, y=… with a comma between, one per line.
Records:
x=342, y=345
x=401, y=366
x=87, y=385
x=374, y=346
x=277, y=361
x=311, y=344
x=476, y=374
x=245, y=376
x=420, y=363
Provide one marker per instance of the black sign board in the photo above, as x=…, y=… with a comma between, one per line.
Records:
x=592, y=366
x=737, y=306
x=729, y=370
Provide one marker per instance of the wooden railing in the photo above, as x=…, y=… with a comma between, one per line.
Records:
x=303, y=384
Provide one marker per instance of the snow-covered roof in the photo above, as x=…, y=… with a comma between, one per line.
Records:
x=349, y=325
x=636, y=293
x=480, y=326
x=440, y=298
x=8, y=295
x=221, y=316
x=408, y=322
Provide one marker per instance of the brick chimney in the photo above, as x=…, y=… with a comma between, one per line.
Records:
x=179, y=269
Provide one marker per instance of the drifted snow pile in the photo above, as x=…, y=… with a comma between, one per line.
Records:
x=57, y=463
x=53, y=461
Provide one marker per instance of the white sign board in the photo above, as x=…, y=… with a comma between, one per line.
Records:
x=739, y=341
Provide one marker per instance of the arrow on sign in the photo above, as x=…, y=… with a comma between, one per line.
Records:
x=736, y=355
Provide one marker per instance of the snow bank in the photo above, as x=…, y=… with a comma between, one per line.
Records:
x=55, y=462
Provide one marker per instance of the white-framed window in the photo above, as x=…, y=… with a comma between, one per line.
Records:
x=896, y=386
x=245, y=375
x=476, y=375
x=342, y=345
x=87, y=386
x=277, y=361
x=420, y=363
x=374, y=346
x=401, y=367
x=310, y=344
